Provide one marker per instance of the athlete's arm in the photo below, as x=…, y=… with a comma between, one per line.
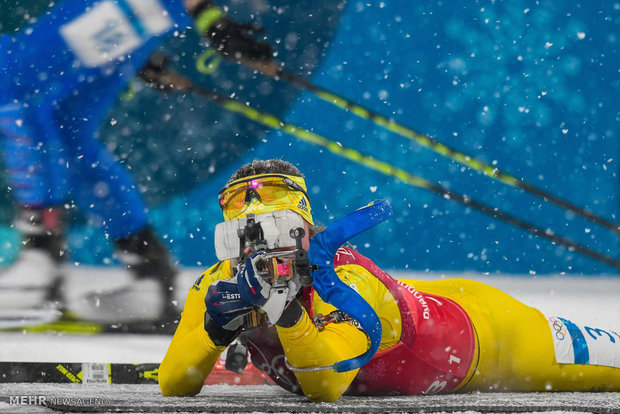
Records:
x=307, y=347
x=236, y=41
x=191, y=354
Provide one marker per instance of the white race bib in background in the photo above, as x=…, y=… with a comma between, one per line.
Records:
x=105, y=33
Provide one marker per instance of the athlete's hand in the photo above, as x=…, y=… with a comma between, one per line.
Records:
x=237, y=41
x=273, y=299
x=225, y=305
x=252, y=287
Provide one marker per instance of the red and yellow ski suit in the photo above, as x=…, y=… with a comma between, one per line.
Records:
x=438, y=336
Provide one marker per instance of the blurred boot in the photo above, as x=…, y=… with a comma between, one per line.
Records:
x=149, y=260
x=145, y=302
x=33, y=279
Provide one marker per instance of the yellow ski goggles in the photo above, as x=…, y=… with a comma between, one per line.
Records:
x=265, y=193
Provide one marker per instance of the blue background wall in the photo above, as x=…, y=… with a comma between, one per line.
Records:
x=529, y=86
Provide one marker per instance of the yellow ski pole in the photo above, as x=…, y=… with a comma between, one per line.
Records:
x=166, y=79
x=273, y=69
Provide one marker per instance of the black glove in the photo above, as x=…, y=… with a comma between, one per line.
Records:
x=233, y=40
x=225, y=311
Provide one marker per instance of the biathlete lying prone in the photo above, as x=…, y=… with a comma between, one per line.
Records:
x=355, y=329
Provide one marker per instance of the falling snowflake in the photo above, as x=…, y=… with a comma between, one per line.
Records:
x=525, y=54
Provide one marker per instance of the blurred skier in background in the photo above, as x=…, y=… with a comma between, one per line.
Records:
x=58, y=78
x=452, y=335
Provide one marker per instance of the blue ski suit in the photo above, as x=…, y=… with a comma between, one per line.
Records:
x=58, y=78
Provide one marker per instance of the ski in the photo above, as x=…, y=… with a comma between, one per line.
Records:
x=61, y=324
x=23, y=318
x=78, y=373
x=68, y=323
x=115, y=373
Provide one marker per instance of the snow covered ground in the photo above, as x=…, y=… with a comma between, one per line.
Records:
x=592, y=299
x=264, y=398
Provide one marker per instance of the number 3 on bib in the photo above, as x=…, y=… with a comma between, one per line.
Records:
x=583, y=344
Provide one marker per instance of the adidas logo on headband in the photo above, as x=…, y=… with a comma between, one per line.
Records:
x=303, y=205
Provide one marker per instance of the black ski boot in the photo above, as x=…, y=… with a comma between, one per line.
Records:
x=148, y=259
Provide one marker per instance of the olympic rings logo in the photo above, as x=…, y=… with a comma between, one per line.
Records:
x=558, y=327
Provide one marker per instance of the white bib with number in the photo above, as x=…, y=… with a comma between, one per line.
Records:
x=105, y=32
x=577, y=343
